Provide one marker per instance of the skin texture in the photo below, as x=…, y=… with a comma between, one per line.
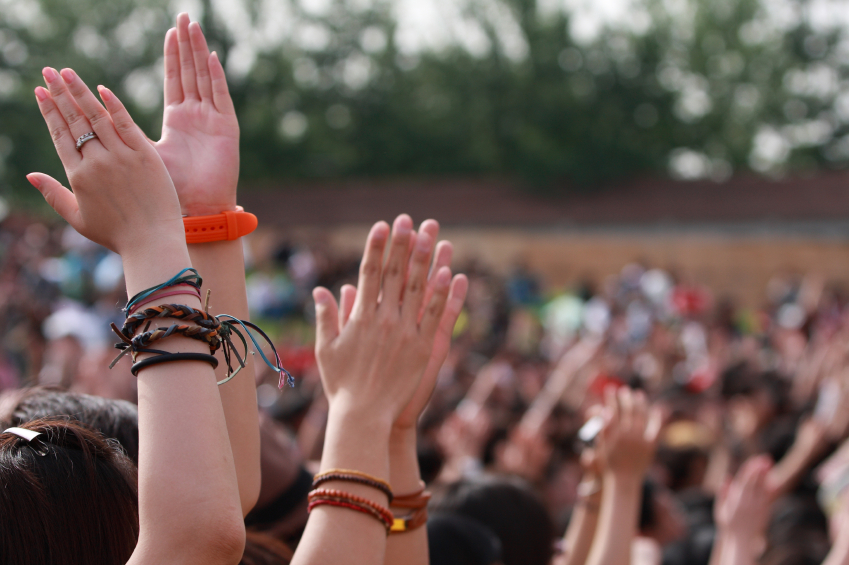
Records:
x=124, y=199
x=626, y=447
x=372, y=368
x=742, y=512
x=200, y=148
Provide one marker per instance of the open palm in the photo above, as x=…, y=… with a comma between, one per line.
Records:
x=200, y=133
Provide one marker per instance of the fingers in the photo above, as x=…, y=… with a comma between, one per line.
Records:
x=626, y=408
x=442, y=258
x=173, y=86
x=395, y=270
x=200, y=56
x=368, y=287
x=95, y=113
x=63, y=140
x=655, y=424
x=347, y=296
x=72, y=114
x=220, y=91
x=124, y=124
x=414, y=291
x=436, y=306
x=188, y=76
x=60, y=198
x=326, y=317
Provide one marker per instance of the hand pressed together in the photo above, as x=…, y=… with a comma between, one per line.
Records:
x=200, y=132
x=122, y=196
x=375, y=361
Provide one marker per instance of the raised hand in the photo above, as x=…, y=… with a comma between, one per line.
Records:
x=456, y=296
x=200, y=133
x=627, y=443
x=375, y=362
x=122, y=195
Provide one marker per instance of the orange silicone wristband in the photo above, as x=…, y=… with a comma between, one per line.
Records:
x=225, y=226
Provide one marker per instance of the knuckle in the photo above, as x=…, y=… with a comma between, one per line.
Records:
x=369, y=269
x=415, y=286
x=57, y=134
x=73, y=117
x=393, y=269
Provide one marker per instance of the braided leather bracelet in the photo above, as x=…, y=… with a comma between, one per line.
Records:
x=382, y=486
x=177, y=311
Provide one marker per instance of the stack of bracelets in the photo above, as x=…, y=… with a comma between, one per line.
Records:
x=416, y=501
x=215, y=331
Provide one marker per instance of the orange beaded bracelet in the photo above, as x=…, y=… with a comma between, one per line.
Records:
x=326, y=496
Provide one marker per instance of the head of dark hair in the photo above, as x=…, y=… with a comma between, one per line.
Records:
x=509, y=508
x=116, y=419
x=74, y=505
x=453, y=539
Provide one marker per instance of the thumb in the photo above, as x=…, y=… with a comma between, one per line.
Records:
x=60, y=198
x=326, y=316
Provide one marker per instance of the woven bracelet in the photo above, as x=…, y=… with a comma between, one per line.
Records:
x=193, y=279
x=351, y=478
x=168, y=357
x=176, y=311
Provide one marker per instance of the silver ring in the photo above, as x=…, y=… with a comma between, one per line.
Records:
x=83, y=138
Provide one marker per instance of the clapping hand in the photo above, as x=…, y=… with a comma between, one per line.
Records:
x=200, y=132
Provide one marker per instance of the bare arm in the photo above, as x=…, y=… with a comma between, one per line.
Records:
x=123, y=199
x=626, y=448
x=200, y=147
x=742, y=512
x=371, y=368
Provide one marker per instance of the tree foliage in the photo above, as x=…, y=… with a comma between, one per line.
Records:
x=695, y=88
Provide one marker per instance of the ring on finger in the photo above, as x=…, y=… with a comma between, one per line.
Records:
x=83, y=138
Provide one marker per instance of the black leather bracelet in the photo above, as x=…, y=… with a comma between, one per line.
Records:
x=168, y=357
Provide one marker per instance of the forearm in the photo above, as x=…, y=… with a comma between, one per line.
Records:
x=787, y=473
x=406, y=548
x=582, y=529
x=222, y=266
x=358, y=441
x=617, y=522
x=735, y=550
x=188, y=497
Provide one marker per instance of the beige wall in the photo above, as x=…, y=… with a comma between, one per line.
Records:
x=735, y=265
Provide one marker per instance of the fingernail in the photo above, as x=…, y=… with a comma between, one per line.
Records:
x=423, y=242
x=319, y=297
x=443, y=277
x=105, y=93
x=68, y=75
x=41, y=94
x=379, y=231
x=34, y=180
x=49, y=74
x=403, y=225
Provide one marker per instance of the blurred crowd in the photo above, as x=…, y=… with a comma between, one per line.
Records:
x=517, y=443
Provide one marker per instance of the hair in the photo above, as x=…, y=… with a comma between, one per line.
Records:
x=116, y=419
x=509, y=508
x=75, y=503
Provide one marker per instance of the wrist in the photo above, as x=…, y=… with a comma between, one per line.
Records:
x=622, y=480
x=208, y=208
x=155, y=262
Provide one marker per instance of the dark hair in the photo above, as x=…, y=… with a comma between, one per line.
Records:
x=75, y=505
x=116, y=419
x=509, y=508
